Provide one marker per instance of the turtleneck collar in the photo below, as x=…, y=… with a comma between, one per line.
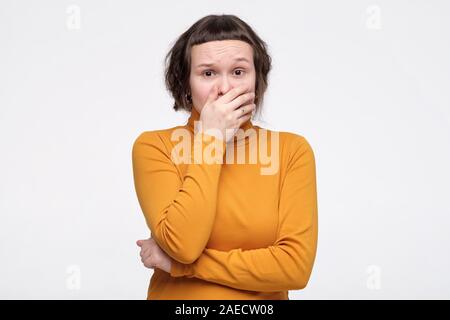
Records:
x=195, y=116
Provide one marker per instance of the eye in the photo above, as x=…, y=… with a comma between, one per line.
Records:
x=207, y=72
x=240, y=71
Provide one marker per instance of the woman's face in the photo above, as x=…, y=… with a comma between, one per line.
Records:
x=225, y=63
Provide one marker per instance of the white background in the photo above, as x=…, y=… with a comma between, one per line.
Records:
x=366, y=82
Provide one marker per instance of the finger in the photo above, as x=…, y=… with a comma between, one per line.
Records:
x=141, y=253
x=244, y=119
x=145, y=252
x=244, y=110
x=241, y=100
x=212, y=95
x=233, y=93
x=148, y=263
x=142, y=243
x=145, y=255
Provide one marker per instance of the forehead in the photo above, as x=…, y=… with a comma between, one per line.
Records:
x=221, y=51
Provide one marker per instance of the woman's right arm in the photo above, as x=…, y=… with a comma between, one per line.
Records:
x=179, y=210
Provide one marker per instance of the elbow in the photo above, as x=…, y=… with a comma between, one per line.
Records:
x=187, y=257
x=181, y=254
x=304, y=268
x=189, y=251
x=178, y=248
x=302, y=280
x=300, y=284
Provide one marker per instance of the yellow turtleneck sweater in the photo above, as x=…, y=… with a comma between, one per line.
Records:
x=235, y=230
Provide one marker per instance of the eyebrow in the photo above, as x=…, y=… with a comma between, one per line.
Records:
x=211, y=64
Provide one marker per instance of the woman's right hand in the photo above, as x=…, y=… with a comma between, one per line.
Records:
x=225, y=113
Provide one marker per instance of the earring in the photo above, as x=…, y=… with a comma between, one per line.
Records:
x=188, y=97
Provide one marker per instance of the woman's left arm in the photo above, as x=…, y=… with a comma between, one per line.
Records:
x=286, y=265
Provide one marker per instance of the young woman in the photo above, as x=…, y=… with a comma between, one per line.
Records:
x=231, y=206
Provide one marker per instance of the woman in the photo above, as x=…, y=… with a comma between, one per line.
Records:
x=232, y=207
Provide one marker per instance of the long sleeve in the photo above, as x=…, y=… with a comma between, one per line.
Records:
x=288, y=263
x=179, y=210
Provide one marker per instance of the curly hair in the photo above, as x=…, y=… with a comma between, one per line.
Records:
x=213, y=28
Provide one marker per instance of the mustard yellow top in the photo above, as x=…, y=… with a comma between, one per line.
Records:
x=234, y=230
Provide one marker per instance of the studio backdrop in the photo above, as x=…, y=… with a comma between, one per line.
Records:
x=365, y=82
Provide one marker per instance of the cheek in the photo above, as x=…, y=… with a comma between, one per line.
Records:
x=249, y=81
x=200, y=92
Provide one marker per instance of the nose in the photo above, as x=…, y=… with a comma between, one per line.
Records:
x=224, y=85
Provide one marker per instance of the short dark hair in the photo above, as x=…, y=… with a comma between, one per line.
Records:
x=213, y=28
